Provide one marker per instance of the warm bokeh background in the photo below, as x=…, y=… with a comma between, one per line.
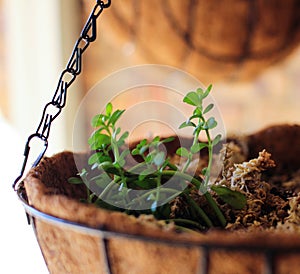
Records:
x=254, y=86
x=255, y=81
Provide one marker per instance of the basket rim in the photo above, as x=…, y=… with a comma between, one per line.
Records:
x=33, y=214
x=71, y=212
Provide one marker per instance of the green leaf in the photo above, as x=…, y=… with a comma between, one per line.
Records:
x=197, y=113
x=98, y=120
x=116, y=132
x=144, y=149
x=109, y=168
x=149, y=158
x=216, y=139
x=140, y=148
x=109, y=109
x=95, y=158
x=159, y=158
x=122, y=139
x=125, y=153
x=211, y=123
x=142, y=143
x=183, y=152
x=192, y=98
x=207, y=91
x=75, y=181
x=167, y=140
x=155, y=140
x=135, y=152
x=200, y=92
x=232, y=197
x=98, y=140
x=165, y=164
x=95, y=133
x=198, y=129
x=208, y=108
x=187, y=124
x=115, y=116
x=121, y=160
x=197, y=147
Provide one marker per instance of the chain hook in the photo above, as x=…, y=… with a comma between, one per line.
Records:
x=73, y=69
x=26, y=155
x=103, y=4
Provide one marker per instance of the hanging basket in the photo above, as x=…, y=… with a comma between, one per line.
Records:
x=214, y=40
x=80, y=238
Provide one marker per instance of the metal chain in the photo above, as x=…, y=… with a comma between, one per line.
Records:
x=67, y=77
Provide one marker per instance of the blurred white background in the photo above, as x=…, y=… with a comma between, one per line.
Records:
x=32, y=57
x=19, y=249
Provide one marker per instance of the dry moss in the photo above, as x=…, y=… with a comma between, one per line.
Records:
x=271, y=202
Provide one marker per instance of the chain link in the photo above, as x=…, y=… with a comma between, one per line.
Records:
x=73, y=69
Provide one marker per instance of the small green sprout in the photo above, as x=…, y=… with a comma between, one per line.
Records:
x=116, y=178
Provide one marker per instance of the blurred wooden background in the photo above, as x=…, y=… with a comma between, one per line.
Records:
x=214, y=40
x=258, y=88
x=251, y=92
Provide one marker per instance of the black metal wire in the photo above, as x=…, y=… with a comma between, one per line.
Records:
x=73, y=68
x=204, y=262
x=269, y=262
x=108, y=267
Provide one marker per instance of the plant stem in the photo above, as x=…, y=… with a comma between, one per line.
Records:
x=207, y=195
x=187, y=163
x=158, y=179
x=174, y=193
x=136, y=167
x=186, y=222
x=216, y=209
x=210, y=157
x=189, y=159
x=184, y=176
x=173, y=167
x=88, y=193
x=199, y=211
x=106, y=190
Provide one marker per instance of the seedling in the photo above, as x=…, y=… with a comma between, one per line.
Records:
x=116, y=179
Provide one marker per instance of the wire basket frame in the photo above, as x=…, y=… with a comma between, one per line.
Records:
x=113, y=242
x=269, y=253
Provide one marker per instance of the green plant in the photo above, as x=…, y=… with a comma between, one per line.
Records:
x=114, y=178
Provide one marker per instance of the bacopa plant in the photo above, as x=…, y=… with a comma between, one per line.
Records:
x=115, y=178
